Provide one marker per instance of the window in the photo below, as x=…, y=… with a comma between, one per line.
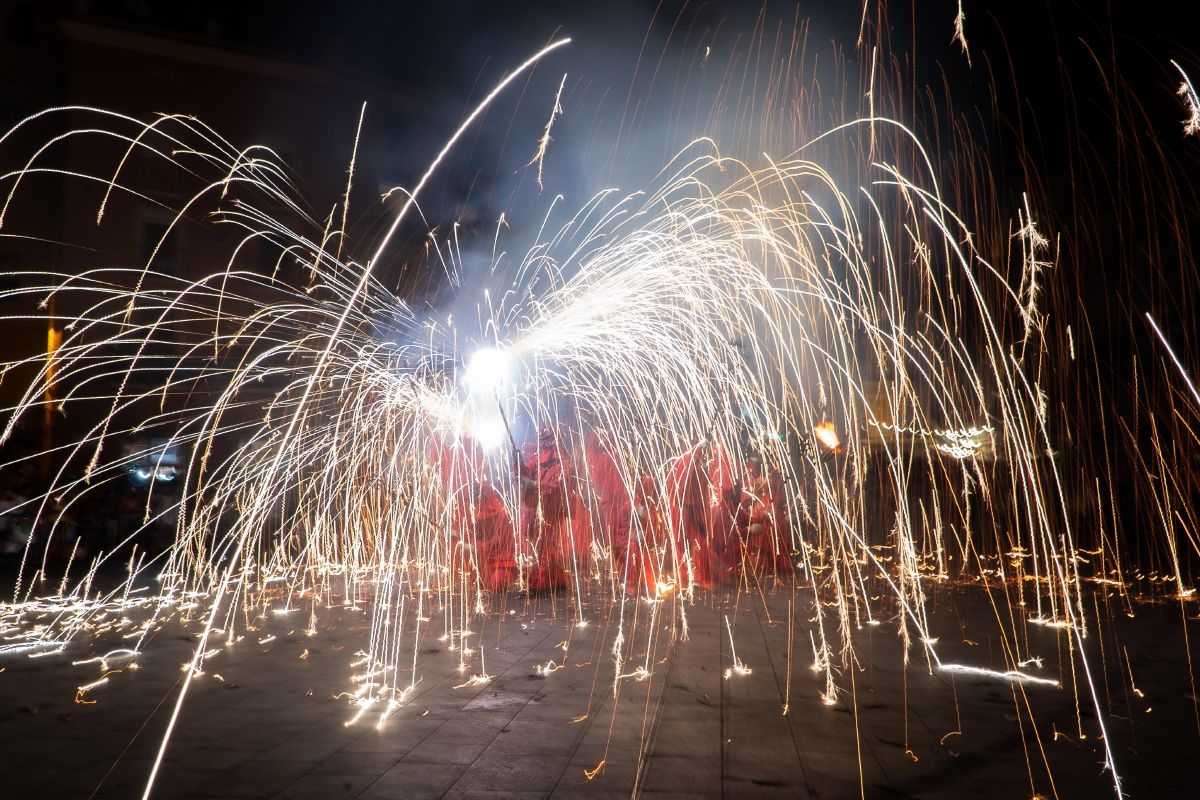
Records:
x=159, y=175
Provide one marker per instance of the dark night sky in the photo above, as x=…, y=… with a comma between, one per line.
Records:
x=1051, y=83
x=445, y=44
x=1039, y=55
x=1048, y=64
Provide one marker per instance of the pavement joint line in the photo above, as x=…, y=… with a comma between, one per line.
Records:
x=447, y=682
x=790, y=727
x=645, y=752
x=610, y=607
x=721, y=706
x=591, y=721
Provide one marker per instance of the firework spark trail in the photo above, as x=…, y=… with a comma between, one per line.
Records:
x=960, y=33
x=1187, y=91
x=1174, y=358
x=721, y=302
x=539, y=155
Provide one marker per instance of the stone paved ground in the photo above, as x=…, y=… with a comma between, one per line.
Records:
x=272, y=728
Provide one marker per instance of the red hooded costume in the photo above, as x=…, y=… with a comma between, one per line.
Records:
x=701, y=516
x=550, y=515
x=481, y=528
x=762, y=520
x=495, y=553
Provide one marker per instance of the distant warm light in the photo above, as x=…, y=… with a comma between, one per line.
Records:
x=827, y=435
x=53, y=341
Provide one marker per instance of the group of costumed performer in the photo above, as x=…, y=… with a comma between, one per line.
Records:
x=551, y=532
x=710, y=521
x=730, y=522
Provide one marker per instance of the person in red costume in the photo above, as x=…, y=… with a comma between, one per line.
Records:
x=480, y=529
x=701, y=492
x=609, y=502
x=549, y=514
x=492, y=527
x=648, y=556
x=762, y=520
x=687, y=515
x=723, y=494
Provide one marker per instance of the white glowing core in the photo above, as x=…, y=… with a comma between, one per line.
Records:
x=489, y=432
x=488, y=370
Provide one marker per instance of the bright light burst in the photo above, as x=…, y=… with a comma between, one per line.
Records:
x=488, y=369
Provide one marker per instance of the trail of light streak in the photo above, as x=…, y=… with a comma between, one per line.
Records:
x=1187, y=91
x=1183, y=373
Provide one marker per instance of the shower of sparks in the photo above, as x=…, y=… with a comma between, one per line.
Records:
x=338, y=459
x=344, y=444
